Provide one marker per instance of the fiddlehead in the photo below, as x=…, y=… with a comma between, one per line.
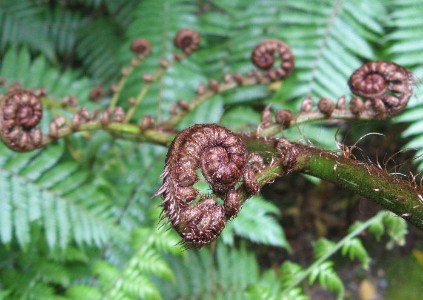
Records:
x=142, y=47
x=223, y=160
x=20, y=113
x=187, y=40
x=388, y=86
x=263, y=56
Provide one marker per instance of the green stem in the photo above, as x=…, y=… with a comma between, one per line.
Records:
x=141, y=95
x=314, y=116
x=303, y=275
x=200, y=99
x=400, y=196
x=121, y=130
x=120, y=86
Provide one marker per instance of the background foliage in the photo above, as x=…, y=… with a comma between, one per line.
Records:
x=77, y=220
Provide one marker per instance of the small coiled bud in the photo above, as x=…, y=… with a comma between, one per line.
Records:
x=387, y=85
x=147, y=78
x=326, y=106
x=147, y=122
x=183, y=105
x=214, y=85
x=263, y=56
x=142, y=47
x=118, y=115
x=283, y=117
x=20, y=112
x=96, y=93
x=357, y=106
x=187, y=40
x=307, y=104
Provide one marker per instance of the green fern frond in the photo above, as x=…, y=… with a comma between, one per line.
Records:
x=20, y=23
x=135, y=280
x=97, y=47
x=228, y=274
x=18, y=66
x=406, y=48
x=30, y=194
x=62, y=26
x=256, y=223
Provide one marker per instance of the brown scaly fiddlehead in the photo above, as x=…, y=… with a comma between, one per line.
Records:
x=224, y=161
x=388, y=87
x=187, y=40
x=20, y=113
x=263, y=56
x=142, y=47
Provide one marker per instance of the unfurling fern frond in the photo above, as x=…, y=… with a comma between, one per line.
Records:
x=180, y=80
x=36, y=188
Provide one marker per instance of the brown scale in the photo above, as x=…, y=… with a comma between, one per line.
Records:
x=20, y=112
x=224, y=161
x=263, y=56
x=387, y=85
x=187, y=40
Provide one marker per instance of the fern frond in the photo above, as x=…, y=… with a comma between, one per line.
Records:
x=97, y=47
x=256, y=224
x=135, y=280
x=180, y=81
x=228, y=274
x=17, y=66
x=406, y=48
x=20, y=23
x=59, y=206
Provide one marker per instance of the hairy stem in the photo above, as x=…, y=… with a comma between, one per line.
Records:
x=402, y=197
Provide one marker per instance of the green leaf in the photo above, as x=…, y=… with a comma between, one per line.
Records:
x=255, y=223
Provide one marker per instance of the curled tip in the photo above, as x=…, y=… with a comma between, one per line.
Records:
x=387, y=85
x=187, y=40
x=263, y=56
x=223, y=160
x=142, y=47
x=20, y=112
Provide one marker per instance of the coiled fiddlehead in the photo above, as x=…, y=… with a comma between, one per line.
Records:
x=20, y=112
x=187, y=40
x=141, y=47
x=388, y=86
x=223, y=160
x=263, y=56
